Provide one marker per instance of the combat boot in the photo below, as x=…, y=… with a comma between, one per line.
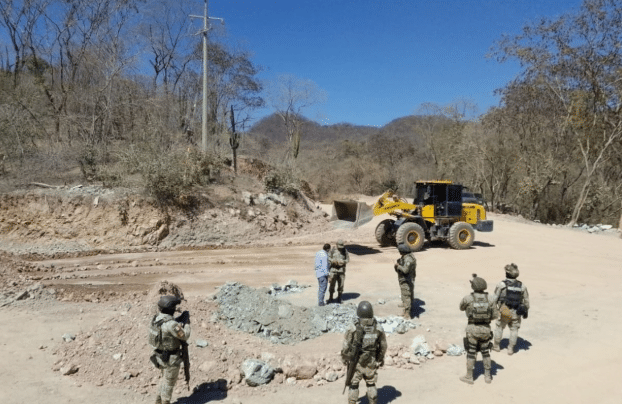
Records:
x=158, y=400
x=487, y=376
x=330, y=298
x=400, y=305
x=339, y=298
x=406, y=314
x=510, y=350
x=495, y=347
x=487, y=367
x=468, y=378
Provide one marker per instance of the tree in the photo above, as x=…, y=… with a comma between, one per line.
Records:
x=578, y=57
x=290, y=96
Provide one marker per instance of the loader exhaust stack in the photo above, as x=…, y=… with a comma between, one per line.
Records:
x=351, y=214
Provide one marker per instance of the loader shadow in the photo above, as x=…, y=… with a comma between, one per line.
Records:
x=521, y=344
x=482, y=244
x=386, y=394
x=479, y=369
x=358, y=249
x=205, y=393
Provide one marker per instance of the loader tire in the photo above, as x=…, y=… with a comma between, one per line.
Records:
x=412, y=235
x=382, y=233
x=461, y=236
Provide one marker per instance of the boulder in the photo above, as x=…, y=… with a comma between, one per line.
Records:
x=257, y=372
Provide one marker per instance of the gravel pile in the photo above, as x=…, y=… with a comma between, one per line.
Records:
x=258, y=312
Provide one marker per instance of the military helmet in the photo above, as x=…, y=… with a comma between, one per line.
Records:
x=365, y=310
x=340, y=244
x=511, y=271
x=478, y=284
x=168, y=302
x=403, y=248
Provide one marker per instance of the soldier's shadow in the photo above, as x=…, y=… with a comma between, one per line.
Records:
x=206, y=392
x=386, y=394
x=415, y=309
x=479, y=369
x=521, y=344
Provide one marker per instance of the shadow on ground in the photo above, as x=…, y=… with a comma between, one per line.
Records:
x=386, y=394
x=521, y=344
x=416, y=308
x=479, y=369
x=358, y=249
x=206, y=393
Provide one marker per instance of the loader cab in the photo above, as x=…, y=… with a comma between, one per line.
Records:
x=443, y=196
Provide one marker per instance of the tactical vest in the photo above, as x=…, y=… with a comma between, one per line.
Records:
x=369, y=343
x=162, y=340
x=481, y=311
x=513, y=293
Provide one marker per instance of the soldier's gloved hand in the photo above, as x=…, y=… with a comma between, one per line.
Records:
x=381, y=363
x=184, y=318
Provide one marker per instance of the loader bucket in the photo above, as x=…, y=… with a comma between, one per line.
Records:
x=351, y=214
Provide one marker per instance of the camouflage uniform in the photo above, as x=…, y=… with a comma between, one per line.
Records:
x=167, y=352
x=510, y=294
x=338, y=258
x=406, y=272
x=366, y=334
x=480, y=310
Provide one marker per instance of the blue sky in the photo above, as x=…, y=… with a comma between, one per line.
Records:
x=379, y=60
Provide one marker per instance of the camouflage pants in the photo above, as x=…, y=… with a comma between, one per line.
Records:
x=339, y=278
x=513, y=323
x=478, y=340
x=370, y=375
x=170, y=373
x=407, y=288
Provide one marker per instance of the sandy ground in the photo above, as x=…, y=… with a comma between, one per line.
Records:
x=568, y=347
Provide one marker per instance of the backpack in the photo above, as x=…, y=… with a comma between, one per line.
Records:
x=155, y=333
x=482, y=309
x=513, y=293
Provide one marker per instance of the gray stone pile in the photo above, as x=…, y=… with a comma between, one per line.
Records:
x=259, y=312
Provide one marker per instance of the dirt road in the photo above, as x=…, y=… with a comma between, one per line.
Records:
x=568, y=351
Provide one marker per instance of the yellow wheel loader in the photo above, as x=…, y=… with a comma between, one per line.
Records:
x=439, y=211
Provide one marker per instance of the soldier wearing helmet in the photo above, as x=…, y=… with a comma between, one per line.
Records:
x=406, y=272
x=363, y=351
x=338, y=257
x=512, y=300
x=165, y=337
x=480, y=310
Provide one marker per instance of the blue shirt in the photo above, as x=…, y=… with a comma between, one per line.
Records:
x=321, y=264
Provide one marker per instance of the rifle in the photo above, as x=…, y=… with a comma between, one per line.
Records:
x=358, y=339
x=186, y=358
x=184, y=318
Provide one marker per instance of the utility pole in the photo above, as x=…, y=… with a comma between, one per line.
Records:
x=205, y=18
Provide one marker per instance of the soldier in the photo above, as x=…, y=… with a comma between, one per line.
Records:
x=338, y=258
x=512, y=300
x=363, y=352
x=166, y=336
x=406, y=272
x=480, y=310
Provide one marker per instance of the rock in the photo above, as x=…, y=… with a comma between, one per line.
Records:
x=302, y=372
x=381, y=301
x=606, y=227
x=402, y=328
x=414, y=360
x=23, y=295
x=69, y=370
x=68, y=337
x=291, y=380
x=419, y=346
x=201, y=343
x=438, y=352
x=455, y=350
x=117, y=356
x=331, y=376
x=441, y=345
x=257, y=372
x=388, y=361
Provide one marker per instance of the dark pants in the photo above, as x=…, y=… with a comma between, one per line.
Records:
x=322, y=283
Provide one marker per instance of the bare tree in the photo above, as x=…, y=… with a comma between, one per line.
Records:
x=290, y=96
x=578, y=57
